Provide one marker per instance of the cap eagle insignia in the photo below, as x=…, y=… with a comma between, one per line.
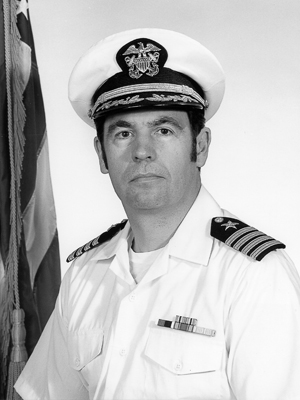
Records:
x=243, y=237
x=144, y=62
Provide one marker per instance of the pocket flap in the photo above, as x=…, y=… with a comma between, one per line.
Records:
x=83, y=347
x=183, y=352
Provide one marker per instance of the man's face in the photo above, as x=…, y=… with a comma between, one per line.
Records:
x=148, y=159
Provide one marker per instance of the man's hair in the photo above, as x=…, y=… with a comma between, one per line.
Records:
x=196, y=119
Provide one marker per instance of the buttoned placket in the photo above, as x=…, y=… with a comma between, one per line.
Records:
x=127, y=321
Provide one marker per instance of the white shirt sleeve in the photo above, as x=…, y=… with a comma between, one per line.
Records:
x=48, y=374
x=263, y=332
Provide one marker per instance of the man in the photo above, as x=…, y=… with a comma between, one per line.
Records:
x=183, y=300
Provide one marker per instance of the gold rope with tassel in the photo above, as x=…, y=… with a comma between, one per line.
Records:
x=18, y=355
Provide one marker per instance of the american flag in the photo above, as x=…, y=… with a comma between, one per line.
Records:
x=29, y=249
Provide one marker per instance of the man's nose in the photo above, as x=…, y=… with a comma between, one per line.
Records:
x=143, y=148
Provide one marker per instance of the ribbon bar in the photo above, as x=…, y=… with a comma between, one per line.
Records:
x=186, y=324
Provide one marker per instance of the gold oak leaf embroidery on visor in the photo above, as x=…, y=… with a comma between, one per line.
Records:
x=128, y=100
x=181, y=93
x=175, y=98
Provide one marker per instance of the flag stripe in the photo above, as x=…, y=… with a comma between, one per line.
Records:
x=34, y=131
x=47, y=281
x=40, y=208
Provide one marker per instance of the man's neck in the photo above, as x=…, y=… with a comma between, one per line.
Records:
x=152, y=230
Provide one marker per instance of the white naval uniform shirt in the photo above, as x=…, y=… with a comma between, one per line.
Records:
x=103, y=342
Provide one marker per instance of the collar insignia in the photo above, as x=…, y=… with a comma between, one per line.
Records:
x=142, y=56
x=243, y=237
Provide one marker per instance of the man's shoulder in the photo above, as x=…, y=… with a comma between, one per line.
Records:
x=243, y=238
x=96, y=242
x=227, y=229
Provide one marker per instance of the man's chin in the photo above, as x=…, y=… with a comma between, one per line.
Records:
x=147, y=201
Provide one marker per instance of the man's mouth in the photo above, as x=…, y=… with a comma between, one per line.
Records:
x=145, y=177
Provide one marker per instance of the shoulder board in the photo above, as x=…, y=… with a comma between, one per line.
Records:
x=243, y=237
x=104, y=237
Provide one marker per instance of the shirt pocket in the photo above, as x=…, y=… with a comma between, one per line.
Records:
x=182, y=352
x=84, y=347
x=188, y=365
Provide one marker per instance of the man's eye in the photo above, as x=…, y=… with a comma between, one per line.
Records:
x=123, y=135
x=165, y=131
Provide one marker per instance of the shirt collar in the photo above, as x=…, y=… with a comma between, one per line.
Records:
x=192, y=240
x=118, y=243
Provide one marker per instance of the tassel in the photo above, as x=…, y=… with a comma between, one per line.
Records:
x=18, y=356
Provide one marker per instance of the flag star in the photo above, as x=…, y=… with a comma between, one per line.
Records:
x=22, y=8
x=230, y=224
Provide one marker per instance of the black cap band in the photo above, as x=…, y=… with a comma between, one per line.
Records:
x=170, y=88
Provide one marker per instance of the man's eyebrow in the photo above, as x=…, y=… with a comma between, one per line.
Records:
x=118, y=124
x=163, y=120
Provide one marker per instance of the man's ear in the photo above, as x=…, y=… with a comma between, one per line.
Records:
x=202, y=142
x=99, y=152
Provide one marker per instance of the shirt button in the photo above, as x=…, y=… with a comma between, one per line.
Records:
x=77, y=362
x=178, y=366
x=123, y=352
x=132, y=297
